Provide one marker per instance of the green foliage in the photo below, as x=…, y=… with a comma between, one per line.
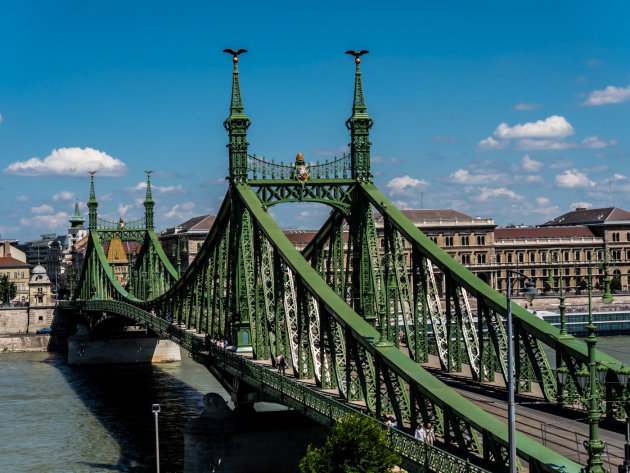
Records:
x=615, y=284
x=358, y=444
x=7, y=288
x=546, y=287
x=583, y=283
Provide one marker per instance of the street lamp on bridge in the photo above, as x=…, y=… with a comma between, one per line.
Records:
x=528, y=293
x=588, y=380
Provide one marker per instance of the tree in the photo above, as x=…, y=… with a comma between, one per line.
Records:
x=357, y=444
x=7, y=288
x=546, y=287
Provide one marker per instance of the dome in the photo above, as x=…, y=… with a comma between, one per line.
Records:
x=39, y=274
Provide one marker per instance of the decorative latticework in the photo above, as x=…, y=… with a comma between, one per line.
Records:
x=350, y=313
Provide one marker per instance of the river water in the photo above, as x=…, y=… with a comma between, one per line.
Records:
x=59, y=418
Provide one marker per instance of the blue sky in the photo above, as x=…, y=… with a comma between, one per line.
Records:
x=512, y=110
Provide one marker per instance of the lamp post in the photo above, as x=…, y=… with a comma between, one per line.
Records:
x=177, y=251
x=155, y=408
x=554, y=257
x=622, y=377
x=529, y=293
x=594, y=446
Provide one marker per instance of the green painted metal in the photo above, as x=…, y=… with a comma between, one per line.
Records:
x=417, y=456
x=334, y=310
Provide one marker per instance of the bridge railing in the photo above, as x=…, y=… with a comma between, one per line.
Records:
x=416, y=456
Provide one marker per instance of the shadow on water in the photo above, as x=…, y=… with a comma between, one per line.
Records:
x=120, y=398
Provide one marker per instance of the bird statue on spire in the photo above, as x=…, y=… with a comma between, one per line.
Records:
x=357, y=55
x=235, y=53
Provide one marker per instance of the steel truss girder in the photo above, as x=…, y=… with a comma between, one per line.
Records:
x=334, y=192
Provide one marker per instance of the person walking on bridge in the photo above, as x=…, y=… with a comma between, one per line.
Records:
x=421, y=433
x=281, y=363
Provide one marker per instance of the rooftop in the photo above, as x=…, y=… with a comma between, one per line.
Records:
x=582, y=216
x=526, y=233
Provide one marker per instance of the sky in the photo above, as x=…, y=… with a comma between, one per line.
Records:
x=513, y=110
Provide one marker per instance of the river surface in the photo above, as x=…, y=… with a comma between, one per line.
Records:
x=59, y=418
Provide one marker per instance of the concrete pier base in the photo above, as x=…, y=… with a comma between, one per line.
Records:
x=83, y=351
x=221, y=441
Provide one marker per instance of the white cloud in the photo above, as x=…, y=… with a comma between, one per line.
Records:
x=593, y=142
x=493, y=193
x=401, y=184
x=554, y=126
x=463, y=176
x=531, y=165
x=527, y=106
x=610, y=94
x=123, y=209
x=42, y=209
x=0, y=118
x=159, y=189
x=63, y=195
x=576, y=205
x=490, y=144
x=69, y=162
x=534, y=179
x=180, y=210
x=542, y=201
x=573, y=179
x=48, y=222
x=106, y=197
x=534, y=145
x=22, y=198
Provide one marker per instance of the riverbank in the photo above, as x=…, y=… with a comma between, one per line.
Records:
x=27, y=342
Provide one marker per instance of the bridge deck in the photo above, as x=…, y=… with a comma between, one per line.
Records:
x=562, y=430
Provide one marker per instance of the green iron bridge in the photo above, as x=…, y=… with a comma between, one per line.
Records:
x=333, y=309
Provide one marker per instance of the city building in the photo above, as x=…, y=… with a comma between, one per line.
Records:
x=17, y=270
x=181, y=243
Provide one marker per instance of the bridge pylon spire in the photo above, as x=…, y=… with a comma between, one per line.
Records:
x=92, y=205
x=359, y=125
x=236, y=125
x=148, y=204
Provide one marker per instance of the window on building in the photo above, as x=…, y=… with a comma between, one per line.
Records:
x=509, y=257
x=588, y=255
x=628, y=236
x=434, y=239
x=576, y=255
x=23, y=287
x=382, y=242
x=448, y=241
x=532, y=257
x=498, y=257
x=615, y=236
x=555, y=272
x=15, y=275
x=465, y=240
x=465, y=259
x=627, y=254
x=543, y=257
x=521, y=257
x=39, y=289
x=481, y=240
x=481, y=258
x=578, y=271
x=616, y=254
x=565, y=255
